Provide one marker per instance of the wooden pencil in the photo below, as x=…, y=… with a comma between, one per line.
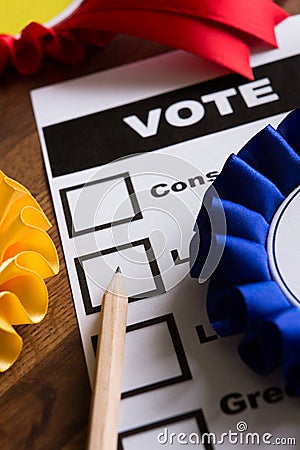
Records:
x=103, y=423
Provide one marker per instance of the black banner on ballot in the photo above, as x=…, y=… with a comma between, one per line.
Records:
x=173, y=117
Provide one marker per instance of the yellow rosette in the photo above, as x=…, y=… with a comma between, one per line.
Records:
x=27, y=257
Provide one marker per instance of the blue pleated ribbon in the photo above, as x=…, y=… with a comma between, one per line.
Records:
x=242, y=295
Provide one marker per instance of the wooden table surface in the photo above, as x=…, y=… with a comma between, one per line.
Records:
x=45, y=396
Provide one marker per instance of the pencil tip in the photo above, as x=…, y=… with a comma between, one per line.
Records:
x=116, y=285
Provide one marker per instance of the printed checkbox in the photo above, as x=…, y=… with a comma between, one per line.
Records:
x=183, y=431
x=100, y=204
x=154, y=356
x=138, y=266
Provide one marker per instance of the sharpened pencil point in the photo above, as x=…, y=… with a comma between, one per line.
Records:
x=103, y=423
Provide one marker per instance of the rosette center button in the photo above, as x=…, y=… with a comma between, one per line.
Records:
x=284, y=246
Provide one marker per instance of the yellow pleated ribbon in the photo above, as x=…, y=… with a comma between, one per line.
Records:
x=27, y=257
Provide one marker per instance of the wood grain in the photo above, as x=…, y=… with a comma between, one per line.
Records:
x=45, y=396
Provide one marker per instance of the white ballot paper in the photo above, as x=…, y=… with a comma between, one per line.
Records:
x=129, y=153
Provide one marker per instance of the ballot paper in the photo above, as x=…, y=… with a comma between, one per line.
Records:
x=129, y=154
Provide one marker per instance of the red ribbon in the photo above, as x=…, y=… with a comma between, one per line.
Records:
x=221, y=31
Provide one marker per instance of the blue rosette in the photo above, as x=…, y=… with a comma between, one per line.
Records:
x=244, y=295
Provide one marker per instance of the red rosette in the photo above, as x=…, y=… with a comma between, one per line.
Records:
x=219, y=31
